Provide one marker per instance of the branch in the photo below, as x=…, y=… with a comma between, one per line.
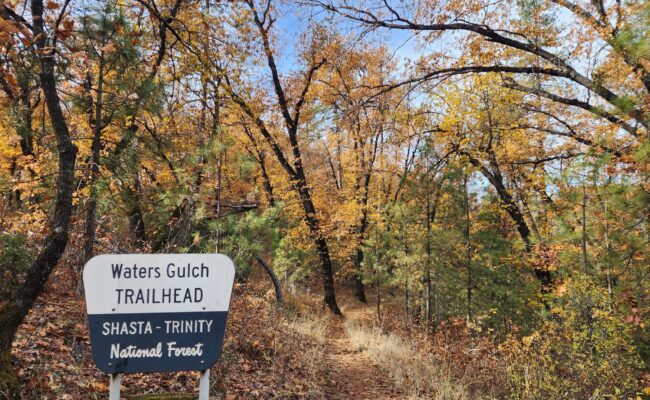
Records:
x=308, y=81
x=511, y=84
x=277, y=85
x=577, y=138
x=8, y=13
x=447, y=72
x=581, y=12
x=59, y=19
x=491, y=35
x=243, y=105
x=537, y=161
x=610, y=36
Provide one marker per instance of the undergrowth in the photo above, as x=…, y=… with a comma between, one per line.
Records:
x=416, y=373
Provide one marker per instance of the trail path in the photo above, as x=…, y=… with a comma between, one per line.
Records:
x=352, y=374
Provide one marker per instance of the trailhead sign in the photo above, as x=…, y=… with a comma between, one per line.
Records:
x=157, y=312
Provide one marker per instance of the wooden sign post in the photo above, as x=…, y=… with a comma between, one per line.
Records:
x=157, y=313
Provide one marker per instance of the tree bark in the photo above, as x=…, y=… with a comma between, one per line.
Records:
x=406, y=301
x=361, y=233
x=378, y=293
x=260, y=157
x=22, y=119
x=14, y=311
x=274, y=278
x=136, y=217
x=585, y=260
x=91, y=212
x=468, y=242
x=359, y=291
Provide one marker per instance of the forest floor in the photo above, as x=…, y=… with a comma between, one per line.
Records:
x=352, y=374
x=299, y=352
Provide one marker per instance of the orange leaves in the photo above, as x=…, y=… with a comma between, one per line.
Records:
x=109, y=48
x=635, y=318
x=68, y=24
x=9, y=77
x=9, y=26
x=99, y=386
x=52, y=5
x=68, y=29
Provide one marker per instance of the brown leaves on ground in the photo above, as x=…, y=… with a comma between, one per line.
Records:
x=264, y=356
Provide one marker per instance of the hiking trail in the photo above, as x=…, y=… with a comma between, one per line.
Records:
x=352, y=374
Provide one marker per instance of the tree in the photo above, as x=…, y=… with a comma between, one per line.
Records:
x=109, y=54
x=291, y=116
x=529, y=42
x=15, y=310
x=361, y=125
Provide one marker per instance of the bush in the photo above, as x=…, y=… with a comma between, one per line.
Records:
x=15, y=259
x=583, y=350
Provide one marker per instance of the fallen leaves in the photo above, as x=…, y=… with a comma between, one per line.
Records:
x=260, y=360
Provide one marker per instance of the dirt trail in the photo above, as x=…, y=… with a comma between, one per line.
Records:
x=352, y=374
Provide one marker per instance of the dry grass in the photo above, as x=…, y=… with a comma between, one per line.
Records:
x=418, y=374
x=281, y=355
x=313, y=328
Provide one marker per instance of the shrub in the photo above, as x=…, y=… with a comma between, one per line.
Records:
x=582, y=350
x=15, y=258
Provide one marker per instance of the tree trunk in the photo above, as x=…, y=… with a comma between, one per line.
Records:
x=359, y=291
x=15, y=310
x=217, y=210
x=274, y=278
x=427, y=274
x=468, y=242
x=608, y=251
x=358, y=256
x=136, y=217
x=294, y=169
x=427, y=294
x=23, y=116
x=317, y=235
x=378, y=302
x=585, y=263
x=91, y=212
x=406, y=302
x=131, y=197
x=268, y=187
x=363, y=225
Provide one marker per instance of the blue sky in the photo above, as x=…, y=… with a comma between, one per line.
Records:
x=292, y=21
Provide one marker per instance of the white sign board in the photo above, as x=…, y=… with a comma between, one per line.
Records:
x=157, y=312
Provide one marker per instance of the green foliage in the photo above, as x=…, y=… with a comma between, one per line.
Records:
x=633, y=38
x=583, y=350
x=15, y=258
x=528, y=10
x=293, y=262
x=243, y=237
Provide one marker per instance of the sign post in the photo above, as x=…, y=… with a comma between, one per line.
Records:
x=114, y=387
x=157, y=313
x=204, y=385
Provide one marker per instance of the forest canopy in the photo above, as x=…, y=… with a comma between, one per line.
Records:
x=480, y=163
